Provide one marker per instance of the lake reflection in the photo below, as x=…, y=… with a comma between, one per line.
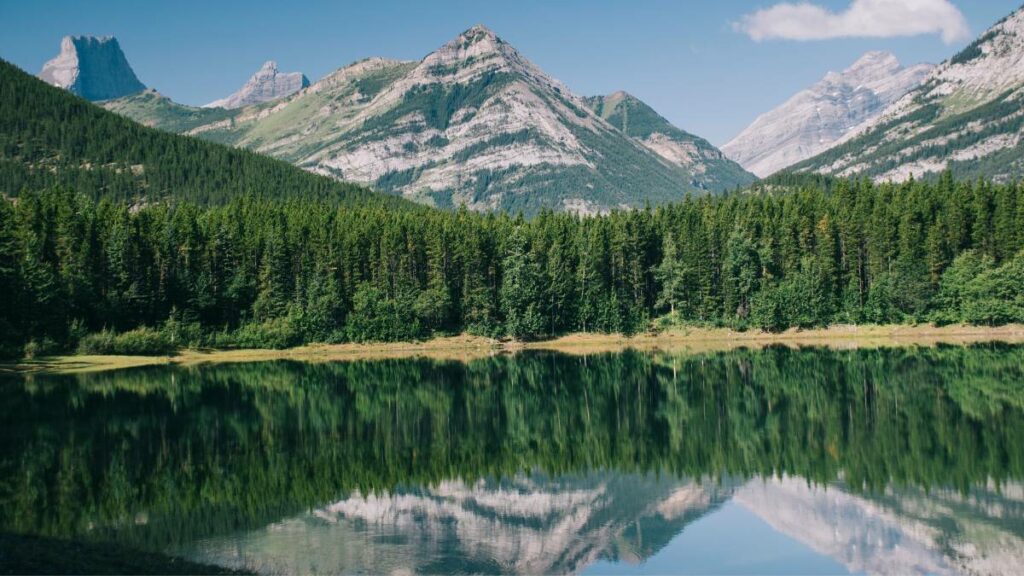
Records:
x=774, y=461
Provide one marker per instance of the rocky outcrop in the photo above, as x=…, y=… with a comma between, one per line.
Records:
x=92, y=67
x=266, y=85
x=825, y=114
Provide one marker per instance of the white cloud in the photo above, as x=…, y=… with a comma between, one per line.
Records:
x=863, y=18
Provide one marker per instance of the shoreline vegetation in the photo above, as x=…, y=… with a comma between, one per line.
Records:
x=466, y=347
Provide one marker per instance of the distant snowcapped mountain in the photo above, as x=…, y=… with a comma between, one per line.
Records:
x=265, y=85
x=473, y=123
x=825, y=114
x=967, y=115
x=92, y=67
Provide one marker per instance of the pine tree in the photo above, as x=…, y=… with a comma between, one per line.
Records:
x=672, y=275
x=520, y=289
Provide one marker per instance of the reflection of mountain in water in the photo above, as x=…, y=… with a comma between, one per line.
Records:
x=529, y=525
x=532, y=525
x=905, y=531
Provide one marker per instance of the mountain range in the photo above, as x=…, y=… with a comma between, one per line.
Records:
x=966, y=116
x=824, y=114
x=474, y=123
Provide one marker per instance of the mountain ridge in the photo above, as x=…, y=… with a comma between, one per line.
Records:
x=825, y=114
x=473, y=123
x=706, y=166
x=967, y=116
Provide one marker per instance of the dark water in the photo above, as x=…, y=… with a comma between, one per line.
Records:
x=775, y=461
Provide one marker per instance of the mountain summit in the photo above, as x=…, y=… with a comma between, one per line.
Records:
x=966, y=116
x=265, y=85
x=474, y=123
x=93, y=68
x=823, y=115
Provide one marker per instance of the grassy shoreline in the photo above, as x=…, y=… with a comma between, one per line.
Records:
x=466, y=347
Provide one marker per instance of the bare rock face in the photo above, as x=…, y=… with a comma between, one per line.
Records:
x=825, y=114
x=93, y=68
x=266, y=85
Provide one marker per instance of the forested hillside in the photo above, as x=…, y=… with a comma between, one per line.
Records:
x=253, y=273
x=49, y=137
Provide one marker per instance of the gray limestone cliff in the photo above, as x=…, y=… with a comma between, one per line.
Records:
x=92, y=67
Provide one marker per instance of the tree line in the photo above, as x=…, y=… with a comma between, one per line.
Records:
x=255, y=272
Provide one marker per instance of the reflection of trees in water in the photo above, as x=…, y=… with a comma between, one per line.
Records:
x=165, y=455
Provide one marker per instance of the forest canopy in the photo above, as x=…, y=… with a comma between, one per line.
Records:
x=254, y=273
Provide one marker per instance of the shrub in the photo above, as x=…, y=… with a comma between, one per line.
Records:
x=42, y=347
x=138, y=342
x=275, y=333
x=181, y=333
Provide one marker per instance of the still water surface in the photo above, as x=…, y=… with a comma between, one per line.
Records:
x=773, y=461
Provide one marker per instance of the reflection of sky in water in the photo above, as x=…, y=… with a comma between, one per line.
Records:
x=731, y=540
x=608, y=523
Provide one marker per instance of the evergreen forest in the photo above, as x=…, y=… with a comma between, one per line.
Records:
x=118, y=238
x=107, y=276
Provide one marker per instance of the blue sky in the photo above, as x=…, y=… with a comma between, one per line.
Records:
x=692, y=61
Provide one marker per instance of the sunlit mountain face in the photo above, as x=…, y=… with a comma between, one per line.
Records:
x=819, y=461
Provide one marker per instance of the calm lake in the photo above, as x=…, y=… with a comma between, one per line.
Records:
x=773, y=461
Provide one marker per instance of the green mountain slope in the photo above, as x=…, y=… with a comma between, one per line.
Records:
x=705, y=166
x=150, y=108
x=49, y=137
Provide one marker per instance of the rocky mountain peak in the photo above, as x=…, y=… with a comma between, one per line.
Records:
x=825, y=114
x=93, y=67
x=476, y=52
x=480, y=33
x=474, y=123
x=874, y=60
x=265, y=85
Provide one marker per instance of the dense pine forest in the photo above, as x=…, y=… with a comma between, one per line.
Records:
x=119, y=238
x=109, y=277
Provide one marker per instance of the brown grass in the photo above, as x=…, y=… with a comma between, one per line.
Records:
x=465, y=348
